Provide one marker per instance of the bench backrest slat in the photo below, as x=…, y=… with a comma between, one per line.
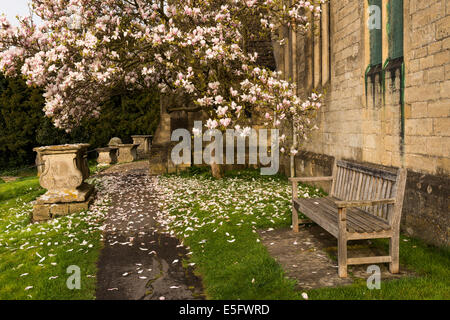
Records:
x=354, y=181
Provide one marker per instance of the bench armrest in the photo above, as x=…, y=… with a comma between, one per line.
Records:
x=363, y=203
x=310, y=179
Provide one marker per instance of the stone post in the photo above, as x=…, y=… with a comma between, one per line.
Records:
x=64, y=171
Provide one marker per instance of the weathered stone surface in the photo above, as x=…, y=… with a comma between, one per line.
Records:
x=131, y=219
x=115, y=141
x=39, y=163
x=46, y=211
x=144, y=142
x=426, y=207
x=126, y=152
x=63, y=176
x=59, y=209
x=41, y=212
x=65, y=166
x=76, y=207
x=158, y=162
x=107, y=156
x=82, y=193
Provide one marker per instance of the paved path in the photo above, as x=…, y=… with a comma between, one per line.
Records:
x=138, y=262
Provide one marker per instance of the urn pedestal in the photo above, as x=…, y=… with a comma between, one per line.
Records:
x=107, y=156
x=63, y=173
x=144, y=142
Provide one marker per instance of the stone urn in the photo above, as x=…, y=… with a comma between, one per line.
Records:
x=126, y=152
x=64, y=170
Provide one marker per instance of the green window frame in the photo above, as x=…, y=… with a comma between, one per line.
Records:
x=395, y=28
x=376, y=37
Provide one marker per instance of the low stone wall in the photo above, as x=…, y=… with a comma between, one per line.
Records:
x=308, y=164
x=425, y=208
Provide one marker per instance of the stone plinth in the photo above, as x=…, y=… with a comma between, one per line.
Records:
x=144, y=142
x=64, y=171
x=126, y=152
x=107, y=156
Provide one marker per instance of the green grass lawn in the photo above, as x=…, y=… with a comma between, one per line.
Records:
x=431, y=264
x=34, y=257
x=19, y=187
x=218, y=219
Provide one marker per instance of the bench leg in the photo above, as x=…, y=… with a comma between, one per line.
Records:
x=342, y=255
x=294, y=219
x=342, y=242
x=394, y=253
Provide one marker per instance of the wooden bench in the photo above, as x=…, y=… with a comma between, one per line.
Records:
x=364, y=203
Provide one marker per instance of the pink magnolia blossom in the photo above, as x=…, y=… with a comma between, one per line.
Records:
x=85, y=50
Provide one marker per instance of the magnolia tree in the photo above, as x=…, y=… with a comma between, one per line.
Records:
x=84, y=51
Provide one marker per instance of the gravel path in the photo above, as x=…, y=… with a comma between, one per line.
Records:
x=139, y=262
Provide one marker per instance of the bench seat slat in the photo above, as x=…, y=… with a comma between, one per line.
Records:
x=375, y=222
x=324, y=212
x=356, y=225
x=321, y=217
x=359, y=217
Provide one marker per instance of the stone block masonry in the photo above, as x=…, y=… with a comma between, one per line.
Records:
x=371, y=124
